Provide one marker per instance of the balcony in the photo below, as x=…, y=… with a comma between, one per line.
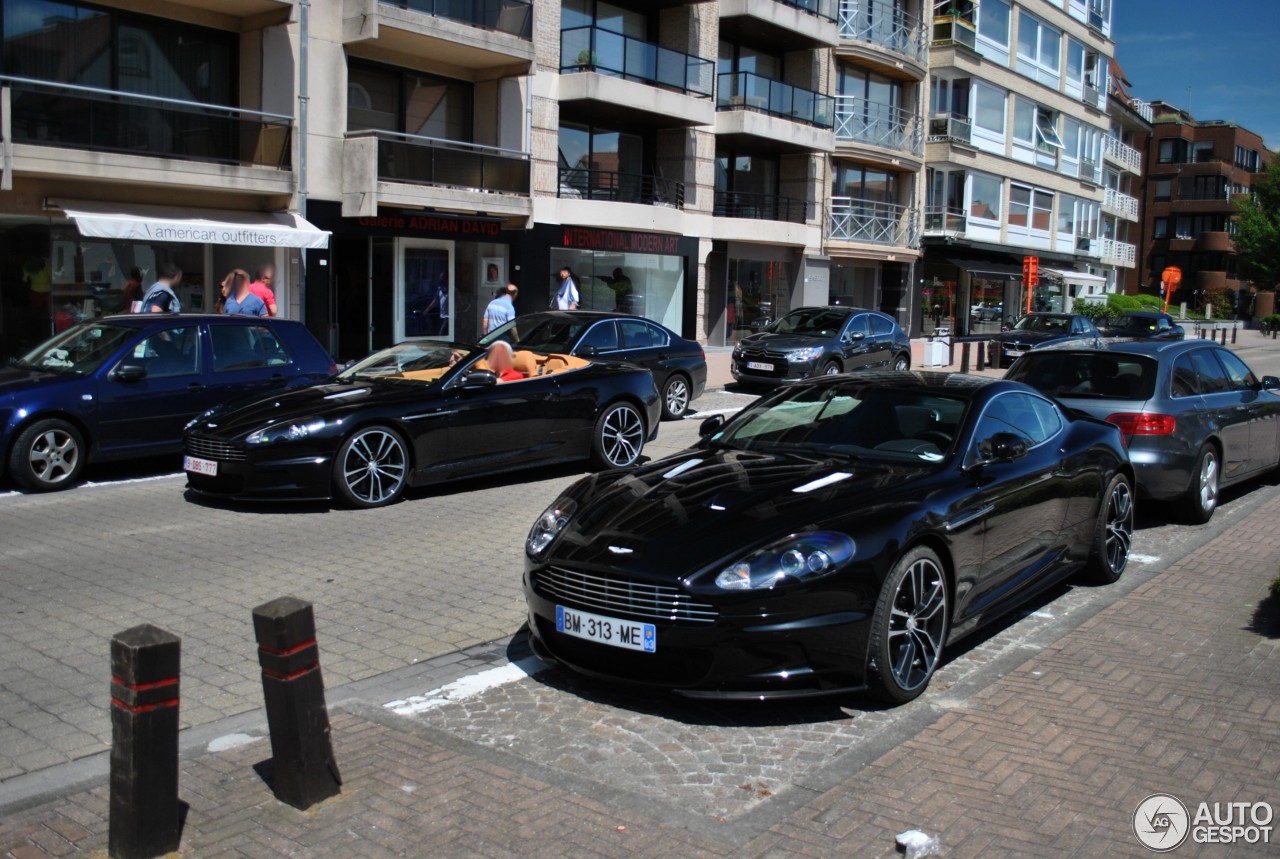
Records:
x=1122, y=155
x=946, y=128
x=1120, y=205
x=1116, y=253
x=1215, y=241
x=880, y=25
x=954, y=29
x=874, y=124
x=390, y=168
x=945, y=221
x=1142, y=108
x=472, y=34
x=788, y=25
x=749, y=91
x=868, y=222
x=760, y=207
x=630, y=76
x=618, y=187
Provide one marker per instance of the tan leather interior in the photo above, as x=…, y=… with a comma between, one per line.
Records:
x=526, y=362
x=530, y=363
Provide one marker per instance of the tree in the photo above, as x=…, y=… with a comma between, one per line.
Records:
x=1258, y=229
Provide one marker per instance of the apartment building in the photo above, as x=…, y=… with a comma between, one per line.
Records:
x=1021, y=151
x=1196, y=169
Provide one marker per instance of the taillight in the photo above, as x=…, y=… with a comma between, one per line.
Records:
x=1143, y=423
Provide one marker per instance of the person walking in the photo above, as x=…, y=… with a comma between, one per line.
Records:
x=133, y=290
x=262, y=287
x=502, y=309
x=240, y=300
x=567, y=297
x=160, y=296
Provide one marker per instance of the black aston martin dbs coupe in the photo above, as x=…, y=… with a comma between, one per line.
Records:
x=834, y=536
x=421, y=413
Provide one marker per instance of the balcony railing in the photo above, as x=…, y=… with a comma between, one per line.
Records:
x=946, y=128
x=954, y=30
x=1121, y=204
x=882, y=24
x=825, y=9
x=853, y=220
x=877, y=124
x=1142, y=108
x=1090, y=94
x=749, y=91
x=1118, y=253
x=761, y=207
x=80, y=117
x=592, y=49
x=945, y=220
x=618, y=187
x=513, y=17
x=1124, y=155
x=431, y=161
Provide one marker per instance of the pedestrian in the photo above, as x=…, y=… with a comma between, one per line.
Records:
x=133, y=290
x=502, y=309
x=262, y=287
x=567, y=297
x=239, y=299
x=160, y=296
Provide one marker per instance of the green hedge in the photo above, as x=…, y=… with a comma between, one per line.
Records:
x=1153, y=301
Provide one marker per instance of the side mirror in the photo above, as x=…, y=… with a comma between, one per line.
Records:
x=587, y=352
x=129, y=373
x=710, y=425
x=854, y=336
x=1270, y=383
x=1002, y=447
x=477, y=379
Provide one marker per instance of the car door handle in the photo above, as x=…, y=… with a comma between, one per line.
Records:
x=195, y=386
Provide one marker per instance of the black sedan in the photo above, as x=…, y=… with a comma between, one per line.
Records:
x=834, y=536
x=1037, y=330
x=818, y=341
x=1144, y=325
x=122, y=387
x=1195, y=416
x=679, y=366
x=421, y=413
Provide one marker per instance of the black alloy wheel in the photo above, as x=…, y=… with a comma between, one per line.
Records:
x=371, y=467
x=909, y=628
x=619, y=437
x=1113, y=535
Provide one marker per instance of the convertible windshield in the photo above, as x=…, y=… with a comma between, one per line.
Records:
x=1043, y=323
x=78, y=351
x=859, y=420
x=421, y=363
x=544, y=335
x=812, y=322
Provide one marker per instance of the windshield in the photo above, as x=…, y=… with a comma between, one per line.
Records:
x=1043, y=323
x=812, y=322
x=414, y=363
x=1136, y=323
x=546, y=334
x=851, y=420
x=78, y=351
x=1104, y=376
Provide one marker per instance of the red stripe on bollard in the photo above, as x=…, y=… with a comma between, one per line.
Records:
x=288, y=651
x=143, y=708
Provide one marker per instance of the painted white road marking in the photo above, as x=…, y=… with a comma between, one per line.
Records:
x=466, y=687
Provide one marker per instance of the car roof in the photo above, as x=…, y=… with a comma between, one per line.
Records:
x=1154, y=348
x=964, y=385
x=1155, y=314
x=142, y=320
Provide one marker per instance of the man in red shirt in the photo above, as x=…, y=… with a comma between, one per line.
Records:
x=262, y=287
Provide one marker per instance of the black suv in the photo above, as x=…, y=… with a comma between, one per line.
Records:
x=816, y=341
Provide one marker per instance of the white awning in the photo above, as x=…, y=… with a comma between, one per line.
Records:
x=202, y=226
x=1080, y=278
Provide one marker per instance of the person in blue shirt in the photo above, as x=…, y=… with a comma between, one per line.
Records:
x=239, y=298
x=502, y=309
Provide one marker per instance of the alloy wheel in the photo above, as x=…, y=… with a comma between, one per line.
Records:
x=54, y=456
x=1119, y=534
x=1208, y=481
x=917, y=624
x=677, y=396
x=621, y=436
x=374, y=466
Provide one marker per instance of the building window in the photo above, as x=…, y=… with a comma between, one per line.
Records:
x=988, y=109
x=1030, y=209
x=383, y=98
x=1024, y=121
x=993, y=30
x=864, y=183
x=1164, y=187
x=1172, y=150
x=1046, y=130
x=601, y=164
x=985, y=193
x=1039, y=46
x=1075, y=66
x=1201, y=151
x=1160, y=228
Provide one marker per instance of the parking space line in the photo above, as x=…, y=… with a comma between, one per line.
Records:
x=466, y=687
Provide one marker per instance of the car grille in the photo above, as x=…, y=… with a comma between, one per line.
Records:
x=768, y=354
x=622, y=595
x=208, y=448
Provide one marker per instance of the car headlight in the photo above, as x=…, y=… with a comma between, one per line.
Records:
x=205, y=415
x=296, y=431
x=738, y=351
x=810, y=354
x=549, y=525
x=799, y=556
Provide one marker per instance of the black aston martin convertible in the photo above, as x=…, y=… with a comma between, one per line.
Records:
x=420, y=413
x=834, y=536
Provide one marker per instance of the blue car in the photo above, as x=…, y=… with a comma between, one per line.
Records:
x=123, y=387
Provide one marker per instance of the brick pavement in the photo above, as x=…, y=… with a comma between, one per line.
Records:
x=1174, y=686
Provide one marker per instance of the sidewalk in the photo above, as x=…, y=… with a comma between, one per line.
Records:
x=1172, y=686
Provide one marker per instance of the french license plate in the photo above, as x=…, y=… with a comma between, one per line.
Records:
x=200, y=466
x=1015, y=353
x=759, y=365
x=627, y=634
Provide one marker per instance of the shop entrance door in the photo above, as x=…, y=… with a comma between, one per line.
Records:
x=424, y=284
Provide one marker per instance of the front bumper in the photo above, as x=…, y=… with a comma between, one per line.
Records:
x=812, y=643
x=279, y=472
x=785, y=372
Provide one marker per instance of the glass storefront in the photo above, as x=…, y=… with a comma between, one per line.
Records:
x=758, y=292
x=648, y=285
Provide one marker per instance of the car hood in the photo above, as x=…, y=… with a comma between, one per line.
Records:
x=702, y=508
x=329, y=401
x=17, y=380
x=781, y=342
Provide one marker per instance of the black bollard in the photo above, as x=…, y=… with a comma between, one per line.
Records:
x=982, y=355
x=304, y=771
x=1234, y=329
x=964, y=357
x=144, y=818
x=1224, y=337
